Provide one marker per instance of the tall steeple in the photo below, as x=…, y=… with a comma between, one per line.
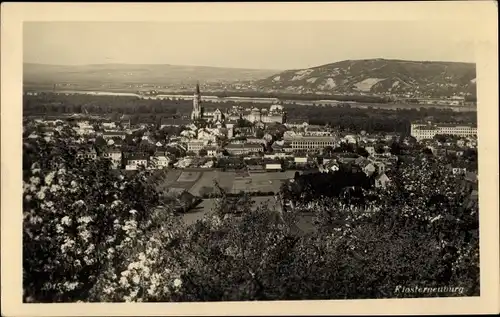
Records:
x=197, y=108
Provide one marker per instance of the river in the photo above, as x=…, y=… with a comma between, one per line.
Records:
x=216, y=99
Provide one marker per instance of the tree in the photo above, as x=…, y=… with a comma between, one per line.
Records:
x=259, y=134
x=344, y=248
x=362, y=151
x=328, y=150
x=74, y=210
x=395, y=148
x=243, y=123
x=441, y=138
x=427, y=151
x=379, y=149
x=203, y=153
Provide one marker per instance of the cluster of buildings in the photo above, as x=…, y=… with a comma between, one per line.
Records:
x=274, y=114
x=223, y=135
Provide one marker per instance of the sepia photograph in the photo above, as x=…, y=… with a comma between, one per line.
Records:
x=206, y=160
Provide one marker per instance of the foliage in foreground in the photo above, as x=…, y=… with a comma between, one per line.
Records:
x=93, y=235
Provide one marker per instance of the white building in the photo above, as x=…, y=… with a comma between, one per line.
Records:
x=196, y=145
x=422, y=131
x=159, y=161
x=109, y=125
x=134, y=162
x=211, y=151
x=350, y=138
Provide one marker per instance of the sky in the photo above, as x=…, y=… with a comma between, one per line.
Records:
x=274, y=45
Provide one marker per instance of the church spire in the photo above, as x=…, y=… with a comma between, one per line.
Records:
x=197, y=108
x=197, y=87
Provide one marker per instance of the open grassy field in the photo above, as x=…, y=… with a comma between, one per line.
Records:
x=198, y=183
x=188, y=177
x=224, y=179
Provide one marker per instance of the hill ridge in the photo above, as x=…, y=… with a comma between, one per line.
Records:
x=377, y=76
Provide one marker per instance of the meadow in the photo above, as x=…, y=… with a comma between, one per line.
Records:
x=201, y=182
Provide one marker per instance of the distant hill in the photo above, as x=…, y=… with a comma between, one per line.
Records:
x=377, y=76
x=136, y=74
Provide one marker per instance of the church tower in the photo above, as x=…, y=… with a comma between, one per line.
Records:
x=197, y=108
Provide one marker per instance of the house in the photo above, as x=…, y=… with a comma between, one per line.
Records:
x=329, y=167
x=392, y=137
x=211, y=151
x=84, y=128
x=115, y=142
x=368, y=168
x=256, y=141
x=174, y=122
x=296, y=123
x=380, y=166
x=316, y=131
x=381, y=181
x=108, y=125
x=195, y=145
x=159, y=160
x=206, y=136
x=277, y=154
x=277, y=146
x=350, y=138
x=114, y=134
x=273, y=167
x=244, y=131
x=134, y=161
x=458, y=171
x=370, y=150
x=115, y=156
x=300, y=159
x=89, y=153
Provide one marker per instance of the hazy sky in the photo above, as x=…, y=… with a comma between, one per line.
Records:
x=270, y=45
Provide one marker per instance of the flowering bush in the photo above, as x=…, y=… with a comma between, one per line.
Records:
x=75, y=211
x=93, y=235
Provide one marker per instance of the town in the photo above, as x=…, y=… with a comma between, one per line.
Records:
x=208, y=162
x=254, y=149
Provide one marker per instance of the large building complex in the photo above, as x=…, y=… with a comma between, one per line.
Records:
x=300, y=142
x=275, y=114
x=422, y=131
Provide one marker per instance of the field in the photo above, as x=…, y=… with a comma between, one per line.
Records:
x=199, y=183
